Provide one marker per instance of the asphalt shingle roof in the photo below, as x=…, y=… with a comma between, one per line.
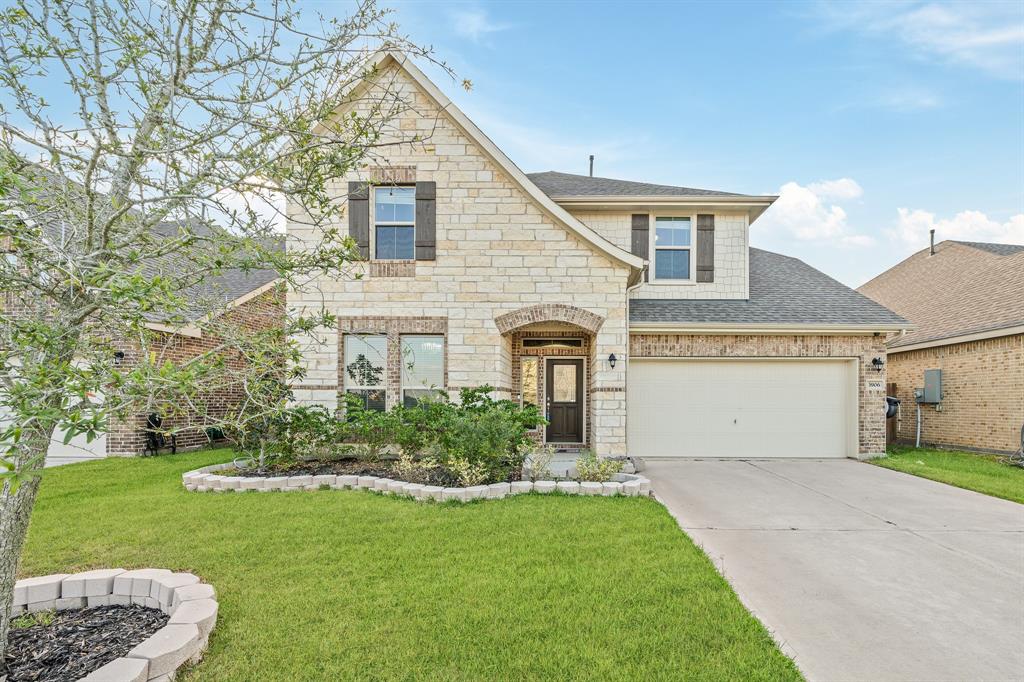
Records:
x=965, y=288
x=783, y=290
x=556, y=184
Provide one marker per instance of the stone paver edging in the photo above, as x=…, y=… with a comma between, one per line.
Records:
x=206, y=479
x=191, y=604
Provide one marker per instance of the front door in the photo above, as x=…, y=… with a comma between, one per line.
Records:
x=564, y=398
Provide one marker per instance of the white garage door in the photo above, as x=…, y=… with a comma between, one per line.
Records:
x=741, y=408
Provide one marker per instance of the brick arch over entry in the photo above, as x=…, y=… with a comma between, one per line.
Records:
x=549, y=312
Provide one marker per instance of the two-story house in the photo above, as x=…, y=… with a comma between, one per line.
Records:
x=636, y=315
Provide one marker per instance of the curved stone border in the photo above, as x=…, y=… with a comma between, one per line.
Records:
x=191, y=604
x=206, y=479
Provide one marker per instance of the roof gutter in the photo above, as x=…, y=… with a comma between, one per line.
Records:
x=720, y=328
x=962, y=338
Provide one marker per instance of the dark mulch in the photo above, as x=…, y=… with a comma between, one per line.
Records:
x=340, y=467
x=351, y=466
x=78, y=641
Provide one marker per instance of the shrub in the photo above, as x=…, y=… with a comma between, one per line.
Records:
x=469, y=473
x=591, y=468
x=540, y=462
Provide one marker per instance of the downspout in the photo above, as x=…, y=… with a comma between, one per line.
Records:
x=629, y=290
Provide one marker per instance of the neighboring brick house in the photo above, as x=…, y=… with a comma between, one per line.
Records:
x=255, y=301
x=635, y=315
x=966, y=302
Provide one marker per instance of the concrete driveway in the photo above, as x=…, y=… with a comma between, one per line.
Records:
x=859, y=572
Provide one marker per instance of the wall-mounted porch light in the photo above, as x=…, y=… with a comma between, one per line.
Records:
x=612, y=360
x=877, y=364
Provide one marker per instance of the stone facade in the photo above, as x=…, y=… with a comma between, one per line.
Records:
x=508, y=267
x=731, y=253
x=864, y=348
x=128, y=436
x=497, y=252
x=982, y=404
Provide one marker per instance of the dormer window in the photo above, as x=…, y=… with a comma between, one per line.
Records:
x=394, y=223
x=673, y=242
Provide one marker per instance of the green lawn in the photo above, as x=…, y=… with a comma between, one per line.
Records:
x=982, y=473
x=346, y=584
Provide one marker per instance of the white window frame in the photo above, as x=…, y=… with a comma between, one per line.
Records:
x=653, y=250
x=523, y=359
x=390, y=223
x=346, y=385
x=401, y=376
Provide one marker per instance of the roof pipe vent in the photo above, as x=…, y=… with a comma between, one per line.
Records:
x=931, y=250
x=592, y=166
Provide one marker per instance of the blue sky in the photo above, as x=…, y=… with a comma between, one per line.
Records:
x=874, y=121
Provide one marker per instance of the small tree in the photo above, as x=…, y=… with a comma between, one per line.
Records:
x=162, y=164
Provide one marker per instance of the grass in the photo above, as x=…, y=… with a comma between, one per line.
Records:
x=982, y=473
x=349, y=585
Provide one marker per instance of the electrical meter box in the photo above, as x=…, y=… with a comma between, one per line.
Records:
x=932, y=392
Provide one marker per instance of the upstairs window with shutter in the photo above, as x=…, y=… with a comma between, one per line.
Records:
x=673, y=248
x=394, y=223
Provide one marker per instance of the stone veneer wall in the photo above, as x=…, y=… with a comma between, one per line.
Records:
x=128, y=437
x=731, y=254
x=871, y=414
x=982, y=393
x=497, y=252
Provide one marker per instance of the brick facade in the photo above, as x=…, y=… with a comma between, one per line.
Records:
x=982, y=393
x=871, y=413
x=128, y=437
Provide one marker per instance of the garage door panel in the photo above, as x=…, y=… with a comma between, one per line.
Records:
x=739, y=408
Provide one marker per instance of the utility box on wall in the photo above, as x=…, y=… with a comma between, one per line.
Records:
x=932, y=392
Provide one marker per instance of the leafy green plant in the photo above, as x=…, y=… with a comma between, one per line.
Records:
x=28, y=620
x=469, y=473
x=412, y=469
x=372, y=431
x=590, y=467
x=540, y=462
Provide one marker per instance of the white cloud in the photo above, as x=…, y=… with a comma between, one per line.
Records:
x=813, y=213
x=986, y=36
x=912, y=227
x=475, y=25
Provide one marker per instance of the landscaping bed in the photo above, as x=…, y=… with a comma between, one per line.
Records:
x=338, y=586
x=68, y=645
x=344, y=467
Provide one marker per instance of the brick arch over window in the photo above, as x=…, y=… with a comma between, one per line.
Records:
x=549, y=312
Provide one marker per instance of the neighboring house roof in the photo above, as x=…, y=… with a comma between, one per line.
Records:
x=557, y=185
x=232, y=286
x=965, y=289
x=488, y=147
x=785, y=292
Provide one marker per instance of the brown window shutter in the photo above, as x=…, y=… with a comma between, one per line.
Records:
x=705, y=248
x=640, y=244
x=359, y=216
x=426, y=221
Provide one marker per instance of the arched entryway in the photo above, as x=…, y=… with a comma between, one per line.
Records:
x=551, y=352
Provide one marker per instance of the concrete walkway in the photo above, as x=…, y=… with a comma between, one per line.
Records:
x=859, y=572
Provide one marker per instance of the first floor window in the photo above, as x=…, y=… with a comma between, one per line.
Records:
x=530, y=376
x=422, y=367
x=365, y=359
x=394, y=223
x=672, y=242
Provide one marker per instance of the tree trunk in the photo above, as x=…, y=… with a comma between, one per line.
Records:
x=15, y=511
